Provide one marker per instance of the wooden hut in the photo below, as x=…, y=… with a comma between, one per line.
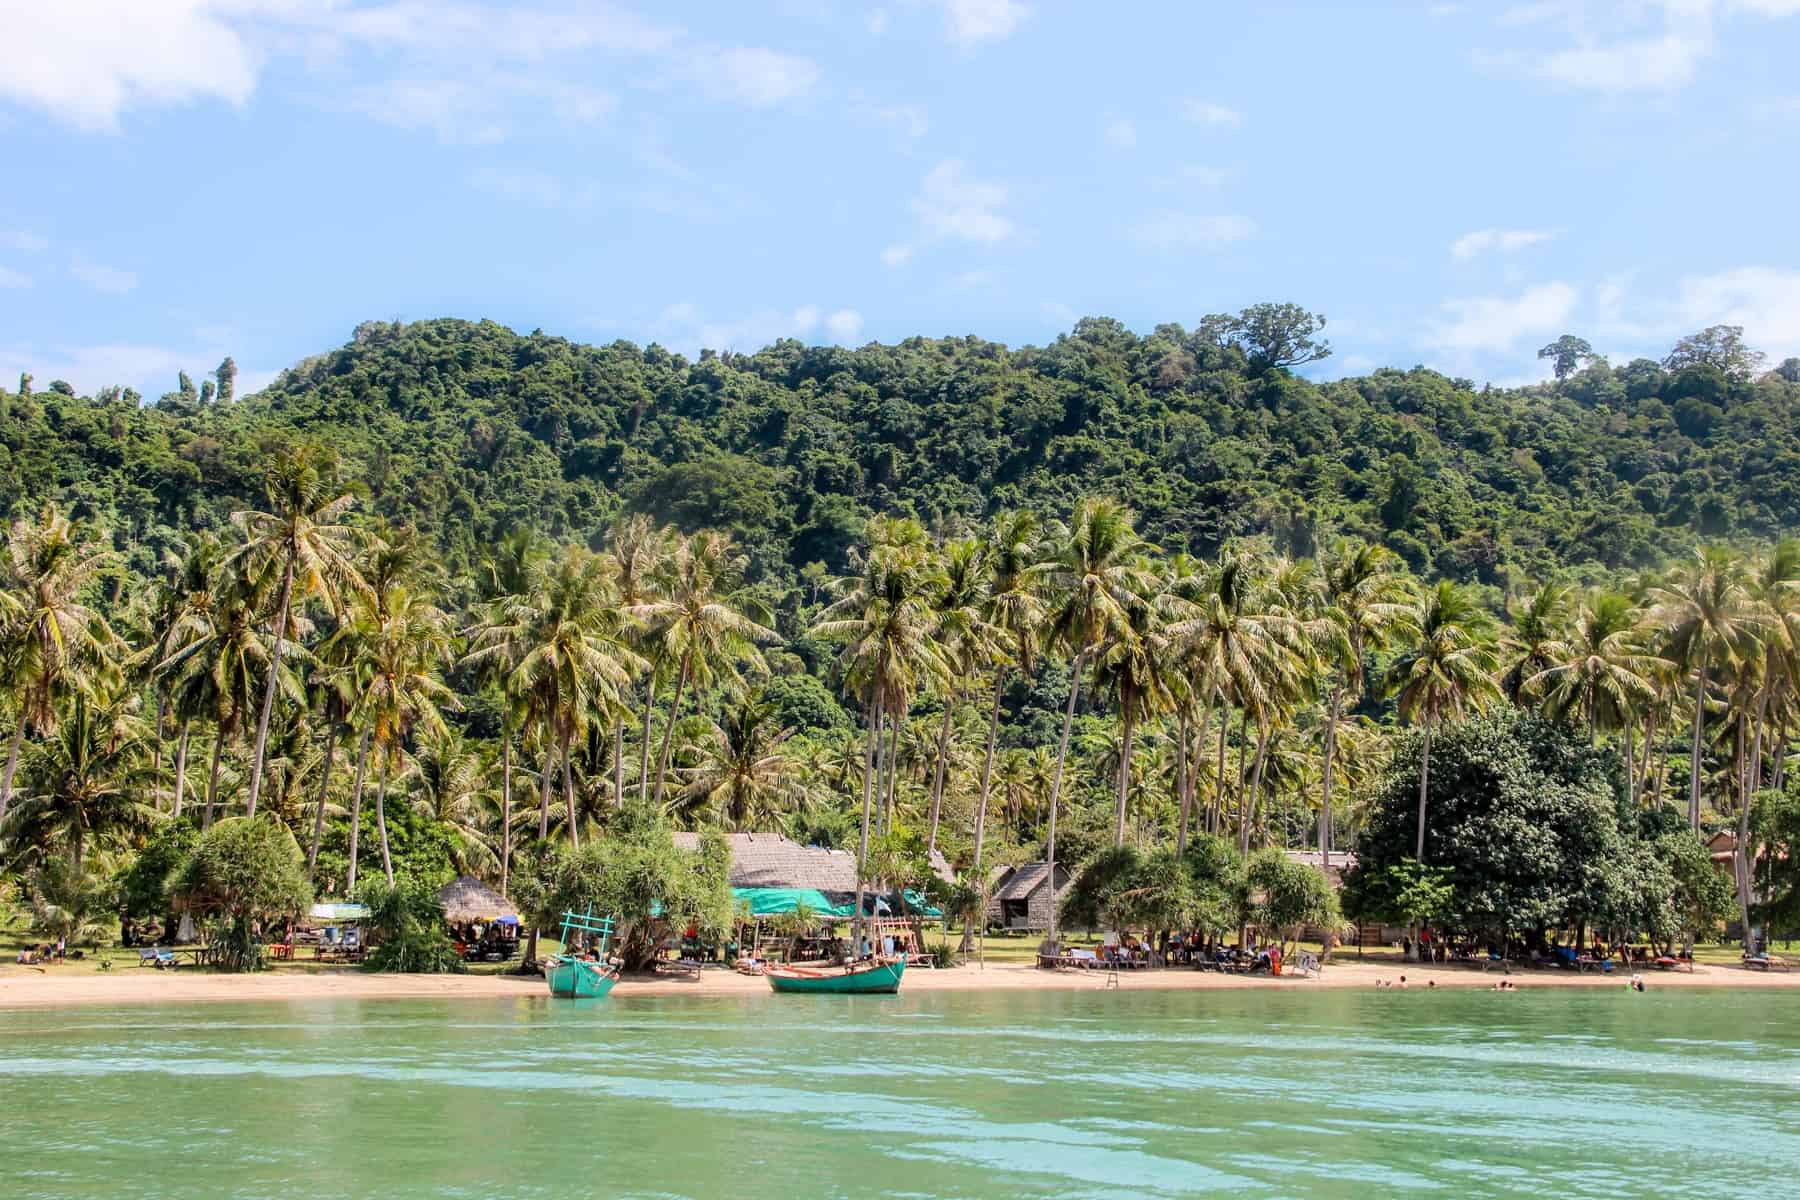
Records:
x=1022, y=898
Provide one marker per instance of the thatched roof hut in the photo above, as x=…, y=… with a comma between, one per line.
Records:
x=763, y=860
x=466, y=899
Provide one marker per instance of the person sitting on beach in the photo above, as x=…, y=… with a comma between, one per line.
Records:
x=1402, y=982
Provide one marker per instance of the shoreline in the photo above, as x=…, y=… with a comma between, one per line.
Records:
x=27, y=988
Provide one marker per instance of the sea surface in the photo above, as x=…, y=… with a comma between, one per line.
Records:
x=1556, y=1092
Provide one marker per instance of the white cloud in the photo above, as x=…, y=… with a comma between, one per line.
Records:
x=152, y=370
x=1649, y=46
x=1173, y=229
x=971, y=22
x=758, y=77
x=909, y=119
x=86, y=61
x=474, y=110
x=953, y=204
x=102, y=278
x=1498, y=322
x=844, y=325
x=1191, y=177
x=10, y=278
x=685, y=327
x=1441, y=11
x=1498, y=241
x=1764, y=300
x=898, y=256
x=877, y=21
x=968, y=281
x=24, y=243
x=1121, y=135
x=1205, y=112
x=527, y=185
x=1059, y=312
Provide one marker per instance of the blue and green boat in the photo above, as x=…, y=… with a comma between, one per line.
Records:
x=869, y=977
x=579, y=976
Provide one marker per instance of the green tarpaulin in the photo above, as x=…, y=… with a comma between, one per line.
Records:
x=770, y=902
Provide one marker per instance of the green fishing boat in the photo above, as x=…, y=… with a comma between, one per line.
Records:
x=870, y=977
x=578, y=976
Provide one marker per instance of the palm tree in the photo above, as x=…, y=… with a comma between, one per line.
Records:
x=1015, y=612
x=1366, y=601
x=301, y=539
x=1129, y=667
x=575, y=662
x=88, y=781
x=1603, y=676
x=743, y=777
x=640, y=555
x=1097, y=578
x=1537, y=638
x=1707, y=626
x=53, y=643
x=697, y=627
x=406, y=641
x=883, y=617
x=183, y=613
x=966, y=640
x=453, y=792
x=1448, y=669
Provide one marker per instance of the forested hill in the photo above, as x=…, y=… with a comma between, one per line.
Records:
x=470, y=430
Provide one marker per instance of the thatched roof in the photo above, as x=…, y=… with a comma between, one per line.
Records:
x=466, y=898
x=1028, y=878
x=769, y=860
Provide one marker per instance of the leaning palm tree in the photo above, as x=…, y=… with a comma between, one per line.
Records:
x=1708, y=627
x=1366, y=602
x=1097, y=578
x=968, y=643
x=1448, y=669
x=301, y=541
x=405, y=647
x=698, y=626
x=51, y=644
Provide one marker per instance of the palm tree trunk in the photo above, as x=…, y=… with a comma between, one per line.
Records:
x=162, y=716
x=1756, y=752
x=387, y=861
x=570, y=805
x=862, y=853
x=890, y=772
x=544, y=774
x=1649, y=749
x=1126, y=729
x=181, y=749
x=312, y=852
x=1331, y=722
x=1781, y=753
x=1256, y=770
x=268, y=701
x=212, y=778
x=937, y=779
x=1062, y=754
x=1424, y=783
x=1214, y=816
x=12, y=765
x=662, y=759
x=987, y=769
x=356, y=795
x=1694, y=752
x=505, y=807
x=1630, y=765
x=1182, y=797
x=618, y=764
x=644, y=749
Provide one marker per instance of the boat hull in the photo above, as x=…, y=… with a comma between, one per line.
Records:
x=877, y=979
x=576, y=979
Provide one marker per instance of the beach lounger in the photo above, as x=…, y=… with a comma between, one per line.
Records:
x=1765, y=962
x=165, y=959
x=147, y=955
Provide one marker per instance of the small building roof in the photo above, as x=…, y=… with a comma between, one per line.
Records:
x=770, y=860
x=1028, y=878
x=466, y=898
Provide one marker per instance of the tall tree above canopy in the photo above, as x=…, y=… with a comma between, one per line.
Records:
x=1718, y=346
x=1279, y=335
x=301, y=539
x=1567, y=353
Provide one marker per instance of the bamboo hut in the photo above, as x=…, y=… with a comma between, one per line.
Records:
x=484, y=923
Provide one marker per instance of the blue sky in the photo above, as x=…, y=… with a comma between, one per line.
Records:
x=1451, y=184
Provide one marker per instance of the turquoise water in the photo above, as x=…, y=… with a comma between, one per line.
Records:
x=1566, y=1093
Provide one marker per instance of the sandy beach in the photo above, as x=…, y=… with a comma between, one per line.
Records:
x=73, y=985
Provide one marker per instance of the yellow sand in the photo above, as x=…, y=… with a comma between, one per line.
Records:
x=81, y=984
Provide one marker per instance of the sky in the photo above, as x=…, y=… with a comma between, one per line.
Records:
x=1452, y=184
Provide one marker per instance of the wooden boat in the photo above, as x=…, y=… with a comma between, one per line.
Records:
x=870, y=977
x=577, y=976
